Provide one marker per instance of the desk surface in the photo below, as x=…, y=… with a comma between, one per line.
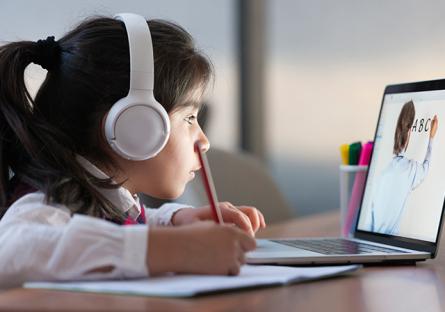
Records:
x=394, y=288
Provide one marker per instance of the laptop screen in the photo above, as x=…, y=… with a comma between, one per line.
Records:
x=404, y=194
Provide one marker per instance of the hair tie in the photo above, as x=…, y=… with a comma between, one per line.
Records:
x=47, y=53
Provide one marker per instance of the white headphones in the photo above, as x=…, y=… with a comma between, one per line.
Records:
x=137, y=127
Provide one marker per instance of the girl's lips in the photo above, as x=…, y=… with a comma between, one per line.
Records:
x=191, y=175
x=193, y=172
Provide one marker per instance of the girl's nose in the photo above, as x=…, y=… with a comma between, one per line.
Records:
x=204, y=142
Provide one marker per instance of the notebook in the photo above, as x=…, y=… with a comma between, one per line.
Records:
x=192, y=285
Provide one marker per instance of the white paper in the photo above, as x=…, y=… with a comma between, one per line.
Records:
x=191, y=285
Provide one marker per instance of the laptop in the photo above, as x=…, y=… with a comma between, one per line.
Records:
x=401, y=211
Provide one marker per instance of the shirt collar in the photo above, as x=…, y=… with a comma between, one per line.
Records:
x=120, y=196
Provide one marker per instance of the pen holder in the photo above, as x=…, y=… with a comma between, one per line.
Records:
x=352, y=182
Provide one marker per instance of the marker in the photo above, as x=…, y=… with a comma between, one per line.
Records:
x=344, y=152
x=354, y=153
x=365, y=155
x=209, y=185
x=357, y=188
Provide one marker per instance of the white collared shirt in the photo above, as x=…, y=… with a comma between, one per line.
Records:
x=40, y=241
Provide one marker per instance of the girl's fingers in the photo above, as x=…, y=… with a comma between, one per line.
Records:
x=233, y=215
x=263, y=221
x=253, y=215
x=246, y=218
x=242, y=258
x=234, y=269
x=248, y=243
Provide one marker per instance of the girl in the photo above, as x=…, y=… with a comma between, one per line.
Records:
x=65, y=194
x=401, y=176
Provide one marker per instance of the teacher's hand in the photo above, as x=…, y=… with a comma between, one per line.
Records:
x=434, y=125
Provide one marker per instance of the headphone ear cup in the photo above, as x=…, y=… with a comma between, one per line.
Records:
x=137, y=128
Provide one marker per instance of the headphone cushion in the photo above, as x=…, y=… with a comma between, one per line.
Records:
x=137, y=130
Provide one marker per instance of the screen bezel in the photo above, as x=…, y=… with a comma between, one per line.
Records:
x=399, y=241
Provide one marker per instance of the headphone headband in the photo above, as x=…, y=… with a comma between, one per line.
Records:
x=141, y=51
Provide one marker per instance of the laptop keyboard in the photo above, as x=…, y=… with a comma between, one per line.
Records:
x=336, y=246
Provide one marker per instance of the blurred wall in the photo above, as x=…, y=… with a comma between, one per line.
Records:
x=327, y=65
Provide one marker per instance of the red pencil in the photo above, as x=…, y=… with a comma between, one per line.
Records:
x=208, y=185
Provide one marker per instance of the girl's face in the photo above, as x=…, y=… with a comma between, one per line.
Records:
x=166, y=175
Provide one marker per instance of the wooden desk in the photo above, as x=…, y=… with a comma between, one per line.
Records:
x=395, y=288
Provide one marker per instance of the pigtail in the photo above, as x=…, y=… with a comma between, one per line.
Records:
x=34, y=149
x=16, y=109
x=39, y=142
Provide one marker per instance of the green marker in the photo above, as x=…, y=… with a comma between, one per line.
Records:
x=354, y=152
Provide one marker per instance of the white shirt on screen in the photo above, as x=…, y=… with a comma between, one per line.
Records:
x=392, y=189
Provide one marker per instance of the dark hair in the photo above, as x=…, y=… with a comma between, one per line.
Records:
x=404, y=124
x=40, y=138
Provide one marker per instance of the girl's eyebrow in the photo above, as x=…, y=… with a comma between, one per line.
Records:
x=186, y=110
x=193, y=104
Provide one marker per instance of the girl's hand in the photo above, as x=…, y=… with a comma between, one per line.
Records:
x=198, y=248
x=246, y=218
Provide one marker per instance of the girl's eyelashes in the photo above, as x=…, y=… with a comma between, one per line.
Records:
x=190, y=119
